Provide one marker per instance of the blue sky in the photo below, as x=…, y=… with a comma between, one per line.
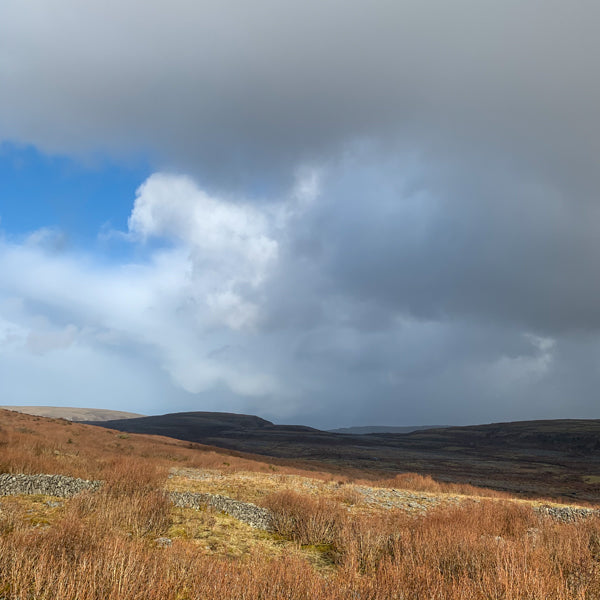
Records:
x=244, y=209
x=78, y=198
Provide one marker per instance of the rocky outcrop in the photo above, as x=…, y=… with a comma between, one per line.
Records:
x=59, y=486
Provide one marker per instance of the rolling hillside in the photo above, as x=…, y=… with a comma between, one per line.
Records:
x=89, y=513
x=553, y=458
x=73, y=413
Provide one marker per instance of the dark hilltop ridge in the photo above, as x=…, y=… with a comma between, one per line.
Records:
x=555, y=458
x=381, y=429
x=198, y=426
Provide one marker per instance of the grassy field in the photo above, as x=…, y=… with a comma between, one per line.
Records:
x=336, y=536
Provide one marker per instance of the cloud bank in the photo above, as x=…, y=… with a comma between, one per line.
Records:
x=253, y=308
x=237, y=92
x=361, y=212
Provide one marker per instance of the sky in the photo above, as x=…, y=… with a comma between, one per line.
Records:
x=324, y=212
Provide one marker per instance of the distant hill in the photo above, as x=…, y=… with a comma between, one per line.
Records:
x=365, y=430
x=194, y=426
x=550, y=458
x=74, y=414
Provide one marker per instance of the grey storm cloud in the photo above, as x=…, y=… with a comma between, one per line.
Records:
x=494, y=246
x=238, y=91
x=445, y=269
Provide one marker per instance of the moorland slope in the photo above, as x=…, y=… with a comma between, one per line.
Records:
x=73, y=413
x=151, y=522
x=559, y=458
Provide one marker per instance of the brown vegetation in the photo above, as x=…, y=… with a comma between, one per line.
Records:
x=103, y=548
x=426, y=483
x=306, y=520
x=32, y=444
x=106, y=545
x=557, y=458
x=486, y=549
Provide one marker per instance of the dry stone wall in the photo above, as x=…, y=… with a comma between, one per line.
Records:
x=62, y=486
x=249, y=513
x=566, y=514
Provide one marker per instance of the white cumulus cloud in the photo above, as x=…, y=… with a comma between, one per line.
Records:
x=198, y=292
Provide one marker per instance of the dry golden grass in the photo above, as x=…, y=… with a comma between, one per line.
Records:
x=488, y=550
x=307, y=520
x=102, y=546
x=426, y=483
x=249, y=486
x=31, y=444
x=217, y=534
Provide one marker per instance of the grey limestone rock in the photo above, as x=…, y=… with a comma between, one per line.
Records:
x=48, y=485
x=566, y=514
x=249, y=513
x=62, y=486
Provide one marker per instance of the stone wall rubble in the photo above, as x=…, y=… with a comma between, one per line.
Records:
x=59, y=486
x=249, y=513
x=62, y=486
x=566, y=514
